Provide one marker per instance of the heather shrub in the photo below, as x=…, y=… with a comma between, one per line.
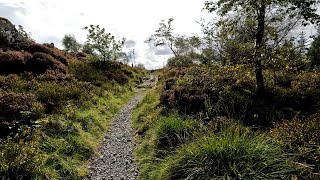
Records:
x=303, y=98
x=15, y=83
x=86, y=72
x=33, y=48
x=119, y=77
x=20, y=156
x=18, y=109
x=55, y=96
x=230, y=91
x=302, y=138
x=52, y=75
x=198, y=89
x=42, y=62
x=16, y=105
x=13, y=61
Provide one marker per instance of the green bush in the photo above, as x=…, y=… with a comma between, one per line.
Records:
x=41, y=62
x=17, y=109
x=86, y=72
x=232, y=154
x=55, y=96
x=301, y=137
x=230, y=91
x=20, y=156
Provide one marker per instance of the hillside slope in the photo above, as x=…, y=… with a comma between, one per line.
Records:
x=54, y=108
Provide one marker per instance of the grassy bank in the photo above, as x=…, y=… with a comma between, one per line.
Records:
x=197, y=124
x=52, y=122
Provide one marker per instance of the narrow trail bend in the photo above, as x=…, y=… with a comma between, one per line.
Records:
x=116, y=160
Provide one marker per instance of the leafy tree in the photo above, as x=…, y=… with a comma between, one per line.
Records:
x=180, y=61
x=24, y=34
x=187, y=45
x=104, y=43
x=184, y=48
x=302, y=42
x=258, y=10
x=287, y=56
x=164, y=36
x=86, y=48
x=314, y=51
x=70, y=43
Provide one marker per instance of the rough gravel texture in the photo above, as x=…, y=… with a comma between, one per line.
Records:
x=116, y=159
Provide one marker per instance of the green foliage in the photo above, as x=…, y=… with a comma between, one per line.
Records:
x=20, y=156
x=56, y=96
x=54, y=109
x=50, y=127
x=180, y=61
x=87, y=49
x=232, y=154
x=301, y=137
x=24, y=34
x=70, y=43
x=314, y=51
x=103, y=43
x=170, y=132
x=214, y=144
x=164, y=36
x=146, y=111
x=230, y=91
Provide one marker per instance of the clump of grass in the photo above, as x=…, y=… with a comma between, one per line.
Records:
x=147, y=111
x=170, y=132
x=233, y=154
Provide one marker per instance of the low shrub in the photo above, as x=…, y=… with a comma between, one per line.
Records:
x=55, y=53
x=17, y=109
x=13, y=61
x=55, y=96
x=301, y=137
x=20, y=156
x=15, y=83
x=41, y=62
x=119, y=77
x=230, y=91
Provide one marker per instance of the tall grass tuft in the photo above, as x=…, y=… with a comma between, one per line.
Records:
x=233, y=154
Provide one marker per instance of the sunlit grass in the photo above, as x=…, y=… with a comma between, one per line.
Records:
x=61, y=147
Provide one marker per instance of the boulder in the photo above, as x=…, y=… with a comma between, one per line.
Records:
x=9, y=35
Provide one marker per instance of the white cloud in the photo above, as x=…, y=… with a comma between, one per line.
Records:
x=49, y=20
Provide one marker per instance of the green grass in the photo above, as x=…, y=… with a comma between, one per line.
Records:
x=229, y=155
x=172, y=146
x=60, y=148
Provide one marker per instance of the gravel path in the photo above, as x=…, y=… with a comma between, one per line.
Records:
x=116, y=159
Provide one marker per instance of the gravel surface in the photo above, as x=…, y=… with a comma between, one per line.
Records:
x=116, y=159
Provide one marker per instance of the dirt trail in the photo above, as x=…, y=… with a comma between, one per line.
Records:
x=116, y=159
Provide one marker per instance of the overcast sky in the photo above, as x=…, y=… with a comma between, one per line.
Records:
x=49, y=20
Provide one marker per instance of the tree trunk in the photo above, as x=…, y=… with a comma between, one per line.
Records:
x=258, y=46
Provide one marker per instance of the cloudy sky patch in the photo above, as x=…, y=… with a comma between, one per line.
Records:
x=48, y=21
